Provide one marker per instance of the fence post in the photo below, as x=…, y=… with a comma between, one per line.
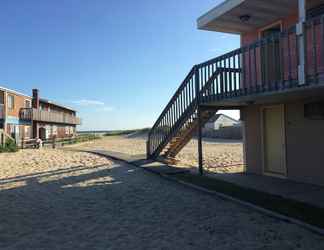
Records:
x=200, y=151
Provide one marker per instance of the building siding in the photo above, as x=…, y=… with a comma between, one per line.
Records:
x=304, y=143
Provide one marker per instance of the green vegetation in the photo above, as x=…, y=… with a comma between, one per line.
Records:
x=119, y=132
x=9, y=146
x=79, y=139
x=291, y=208
x=126, y=132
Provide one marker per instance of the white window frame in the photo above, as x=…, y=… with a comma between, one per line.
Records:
x=11, y=103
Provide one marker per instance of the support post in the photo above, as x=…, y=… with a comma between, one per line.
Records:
x=301, y=36
x=200, y=151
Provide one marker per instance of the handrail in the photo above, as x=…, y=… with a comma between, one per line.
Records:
x=240, y=72
x=190, y=74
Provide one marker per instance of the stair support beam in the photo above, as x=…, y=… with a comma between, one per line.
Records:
x=200, y=149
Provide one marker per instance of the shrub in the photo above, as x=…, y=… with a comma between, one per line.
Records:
x=10, y=146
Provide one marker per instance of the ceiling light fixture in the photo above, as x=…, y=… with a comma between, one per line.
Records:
x=245, y=18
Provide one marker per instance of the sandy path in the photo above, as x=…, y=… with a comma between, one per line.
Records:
x=119, y=207
x=225, y=156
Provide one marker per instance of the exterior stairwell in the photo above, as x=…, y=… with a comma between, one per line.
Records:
x=184, y=114
x=264, y=69
x=177, y=143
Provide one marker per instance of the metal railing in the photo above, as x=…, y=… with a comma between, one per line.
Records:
x=29, y=114
x=268, y=65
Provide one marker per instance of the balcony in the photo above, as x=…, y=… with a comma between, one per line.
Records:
x=267, y=67
x=29, y=114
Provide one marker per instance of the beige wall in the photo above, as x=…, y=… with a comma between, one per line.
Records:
x=305, y=146
x=19, y=103
x=304, y=143
x=252, y=130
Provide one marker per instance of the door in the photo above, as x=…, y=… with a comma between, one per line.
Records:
x=42, y=133
x=270, y=55
x=274, y=148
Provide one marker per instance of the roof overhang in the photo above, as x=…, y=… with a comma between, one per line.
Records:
x=55, y=104
x=226, y=17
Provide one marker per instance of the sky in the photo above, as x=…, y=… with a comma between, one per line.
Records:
x=117, y=62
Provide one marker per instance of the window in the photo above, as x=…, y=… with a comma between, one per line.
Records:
x=27, y=104
x=67, y=130
x=11, y=102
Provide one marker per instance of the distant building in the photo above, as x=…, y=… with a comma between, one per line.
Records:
x=220, y=121
x=223, y=127
x=27, y=117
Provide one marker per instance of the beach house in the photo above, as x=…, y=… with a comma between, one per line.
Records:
x=28, y=117
x=220, y=121
x=276, y=80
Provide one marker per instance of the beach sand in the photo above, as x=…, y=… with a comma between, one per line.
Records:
x=220, y=156
x=34, y=162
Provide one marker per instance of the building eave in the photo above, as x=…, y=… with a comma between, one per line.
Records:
x=14, y=92
x=216, y=12
x=226, y=17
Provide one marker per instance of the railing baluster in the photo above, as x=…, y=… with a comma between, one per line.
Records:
x=282, y=62
x=244, y=71
x=314, y=52
x=255, y=68
x=289, y=60
x=239, y=86
x=230, y=75
x=274, y=71
x=322, y=43
x=234, y=76
x=250, y=69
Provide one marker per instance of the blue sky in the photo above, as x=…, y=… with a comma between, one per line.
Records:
x=117, y=62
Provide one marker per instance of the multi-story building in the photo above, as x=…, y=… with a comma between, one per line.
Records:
x=276, y=80
x=28, y=117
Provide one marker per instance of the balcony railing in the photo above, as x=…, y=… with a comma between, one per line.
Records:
x=29, y=114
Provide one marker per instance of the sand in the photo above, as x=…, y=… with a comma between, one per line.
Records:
x=220, y=156
x=122, y=207
x=34, y=162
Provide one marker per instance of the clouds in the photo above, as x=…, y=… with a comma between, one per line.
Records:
x=87, y=103
x=95, y=105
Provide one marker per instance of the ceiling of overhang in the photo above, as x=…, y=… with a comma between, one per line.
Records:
x=262, y=12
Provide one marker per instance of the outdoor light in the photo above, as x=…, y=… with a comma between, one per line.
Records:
x=245, y=18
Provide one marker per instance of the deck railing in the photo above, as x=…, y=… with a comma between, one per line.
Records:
x=29, y=114
x=268, y=65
